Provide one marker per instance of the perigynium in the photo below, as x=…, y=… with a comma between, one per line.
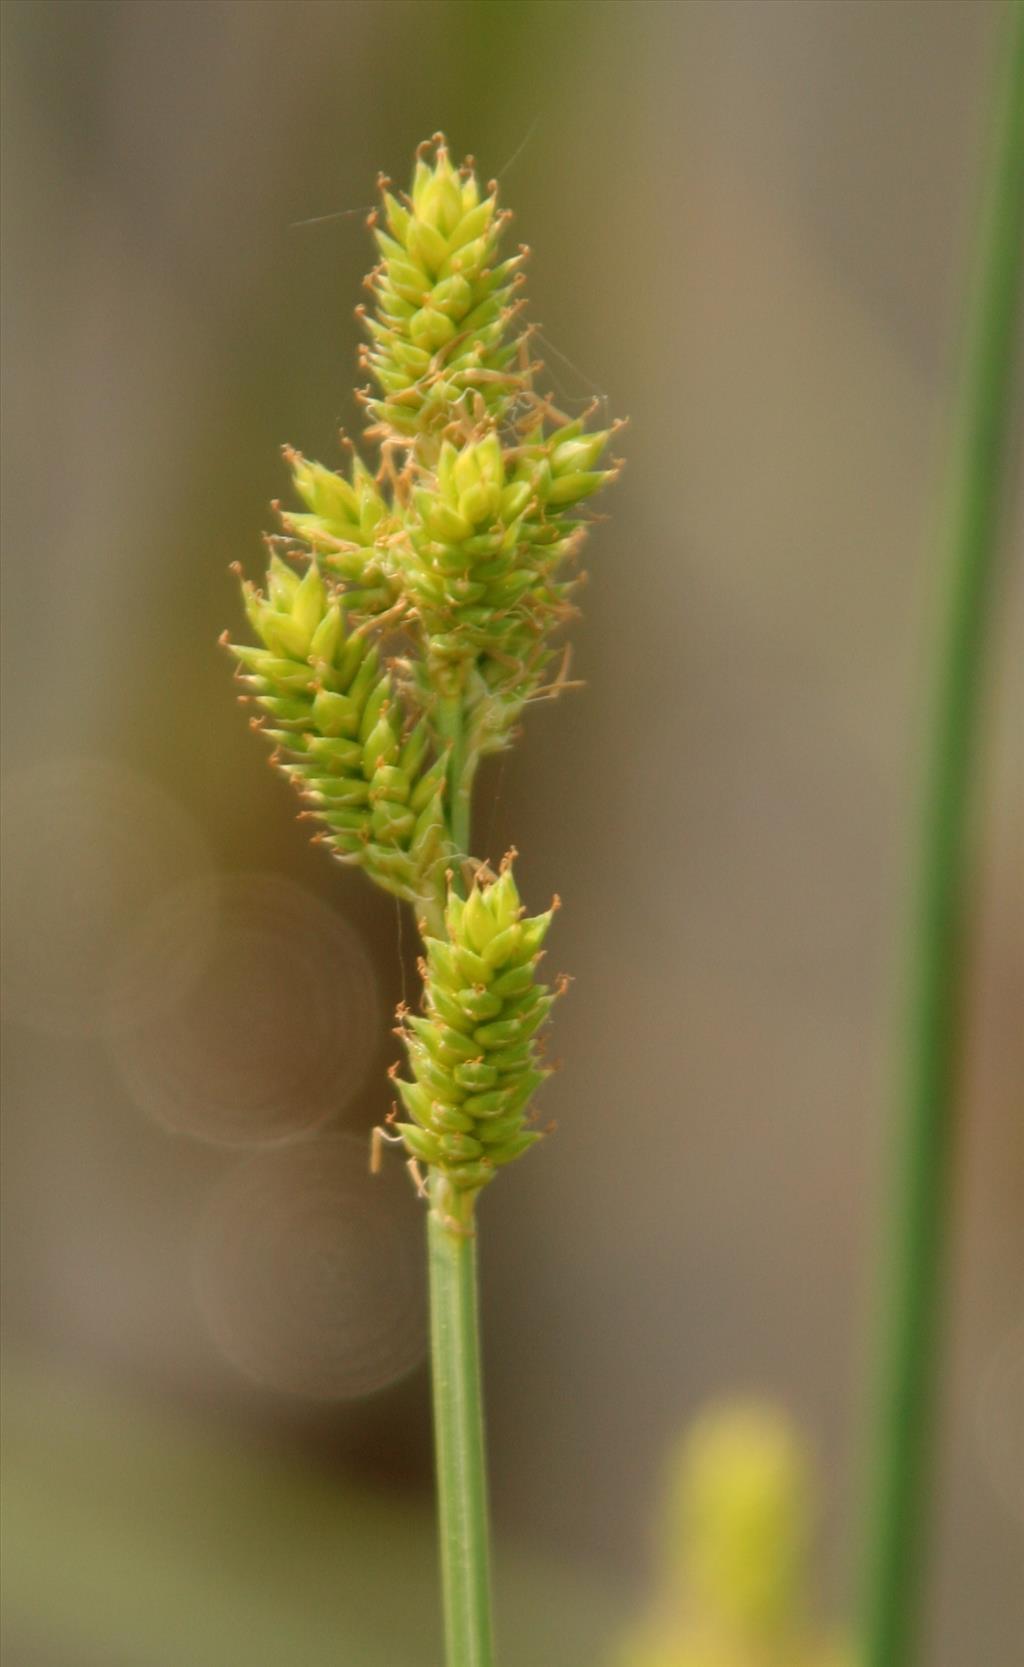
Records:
x=408, y=616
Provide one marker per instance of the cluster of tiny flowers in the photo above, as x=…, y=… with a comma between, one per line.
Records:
x=488, y=540
x=439, y=578
x=443, y=302
x=474, y=1054
x=338, y=732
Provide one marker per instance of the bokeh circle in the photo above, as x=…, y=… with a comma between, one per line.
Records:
x=266, y=1033
x=89, y=845
x=309, y=1270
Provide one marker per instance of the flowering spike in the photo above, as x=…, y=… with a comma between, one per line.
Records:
x=474, y=1056
x=338, y=735
x=441, y=329
x=463, y=539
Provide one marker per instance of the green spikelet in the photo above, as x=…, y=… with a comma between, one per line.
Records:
x=442, y=326
x=487, y=541
x=338, y=732
x=474, y=1055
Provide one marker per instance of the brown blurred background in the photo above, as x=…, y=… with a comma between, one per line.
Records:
x=751, y=222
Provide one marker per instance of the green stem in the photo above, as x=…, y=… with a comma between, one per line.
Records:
x=452, y=729
x=461, y=1459
x=459, y=1427
x=903, y=1437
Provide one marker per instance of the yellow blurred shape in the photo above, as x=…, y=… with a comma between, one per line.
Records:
x=736, y=1533
x=740, y=1515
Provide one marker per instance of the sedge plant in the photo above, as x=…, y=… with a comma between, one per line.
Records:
x=407, y=619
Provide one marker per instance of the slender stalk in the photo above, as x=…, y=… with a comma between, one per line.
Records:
x=458, y=1428
x=451, y=727
x=461, y=1460
x=920, y=1226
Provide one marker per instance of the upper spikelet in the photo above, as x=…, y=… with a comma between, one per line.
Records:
x=442, y=325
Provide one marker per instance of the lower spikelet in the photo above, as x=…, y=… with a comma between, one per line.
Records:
x=475, y=1059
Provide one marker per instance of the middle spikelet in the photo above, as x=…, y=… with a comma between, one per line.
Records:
x=474, y=1055
x=489, y=532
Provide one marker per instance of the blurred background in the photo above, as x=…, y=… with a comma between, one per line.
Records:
x=751, y=224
